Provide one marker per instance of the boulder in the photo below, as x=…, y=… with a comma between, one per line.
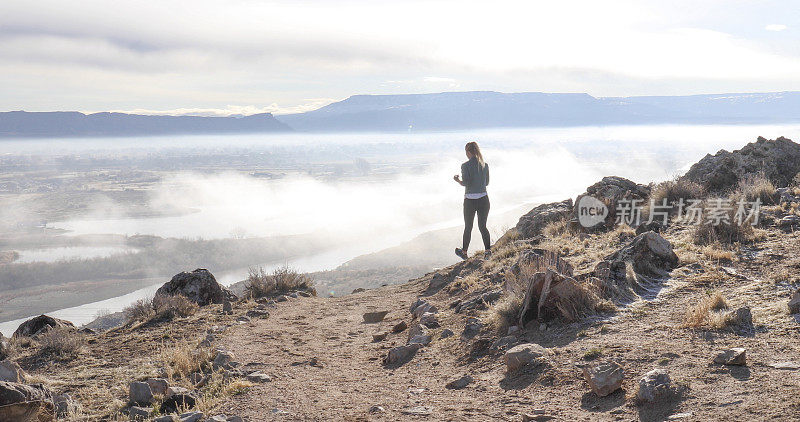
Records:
x=140, y=393
x=374, y=317
x=608, y=192
x=604, y=378
x=401, y=354
x=655, y=386
x=522, y=354
x=778, y=160
x=649, y=254
x=11, y=372
x=531, y=224
x=794, y=302
x=735, y=356
x=19, y=402
x=199, y=286
x=40, y=324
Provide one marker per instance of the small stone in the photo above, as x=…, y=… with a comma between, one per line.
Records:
x=258, y=313
x=171, y=391
x=217, y=418
x=654, y=386
x=377, y=409
x=447, y=333
x=741, y=317
x=281, y=298
x=258, y=377
x=191, y=416
x=503, y=343
x=379, y=337
x=139, y=393
x=542, y=327
x=429, y=320
x=459, y=383
x=679, y=416
x=399, y=327
x=65, y=406
x=785, y=365
x=293, y=295
x=520, y=355
x=423, y=308
x=513, y=329
x=227, y=307
x=471, y=328
x=178, y=401
x=315, y=362
x=374, y=317
x=158, y=385
x=243, y=319
x=10, y=371
x=304, y=293
x=536, y=418
x=136, y=413
x=165, y=418
x=604, y=378
x=423, y=339
x=401, y=353
x=223, y=359
x=735, y=356
x=235, y=419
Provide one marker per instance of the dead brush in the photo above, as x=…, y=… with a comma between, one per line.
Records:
x=757, y=187
x=282, y=280
x=725, y=231
x=181, y=359
x=674, y=191
x=170, y=307
x=708, y=313
x=63, y=343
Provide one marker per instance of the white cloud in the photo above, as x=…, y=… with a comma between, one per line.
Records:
x=233, y=110
x=775, y=27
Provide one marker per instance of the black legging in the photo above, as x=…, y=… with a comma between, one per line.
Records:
x=480, y=206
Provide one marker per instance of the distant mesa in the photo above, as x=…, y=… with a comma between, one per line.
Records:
x=23, y=124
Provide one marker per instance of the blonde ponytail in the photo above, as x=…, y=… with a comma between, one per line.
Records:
x=474, y=149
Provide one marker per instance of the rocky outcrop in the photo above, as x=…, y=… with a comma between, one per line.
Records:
x=11, y=372
x=199, y=286
x=649, y=254
x=19, y=402
x=609, y=191
x=40, y=324
x=778, y=160
x=4, y=347
x=531, y=224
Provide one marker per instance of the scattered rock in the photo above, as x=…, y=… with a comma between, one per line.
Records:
x=653, y=226
x=416, y=330
x=11, y=372
x=140, y=393
x=258, y=377
x=459, y=383
x=423, y=308
x=40, y=324
x=513, y=329
x=223, y=359
x=446, y=333
x=520, y=355
x=379, y=337
x=358, y=290
x=243, y=319
x=199, y=286
x=789, y=221
x=136, y=413
x=281, y=298
x=257, y=313
x=604, y=378
x=401, y=353
x=741, y=317
x=654, y=386
x=785, y=365
x=794, y=303
x=399, y=327
x=422, y=339
x=217, y=418
x=171, y=391
x=166, y=418
x=304, y=293
x=158, y=385
x=227, y=307
x=374, y=317
x=536, y=417
x=649, y=254
x=19, y=402
x=377, y=409
x=735, y=356
x=472, y=327
x=4, y=347
x=191, y=416
x=429, y=320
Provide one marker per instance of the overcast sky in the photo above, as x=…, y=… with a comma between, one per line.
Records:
x=218, y=57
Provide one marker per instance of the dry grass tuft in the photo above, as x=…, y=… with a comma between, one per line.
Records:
x=717, y=252
x=755, y=187
x=504, y=312
x=163, y=308
x=62, y=343
x=182, y=359
x=708, y=313
x=282, y=280
x=675, y=190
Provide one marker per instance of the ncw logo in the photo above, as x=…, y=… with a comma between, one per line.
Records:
x=591, y=211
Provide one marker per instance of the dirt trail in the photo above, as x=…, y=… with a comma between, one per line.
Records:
x=646, y=335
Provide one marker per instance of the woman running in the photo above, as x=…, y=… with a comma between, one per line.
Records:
x=474, y=178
